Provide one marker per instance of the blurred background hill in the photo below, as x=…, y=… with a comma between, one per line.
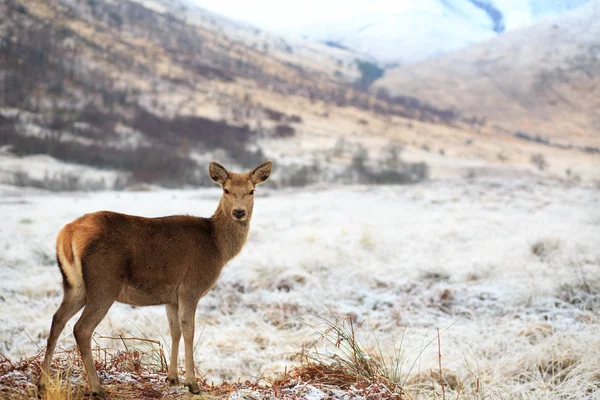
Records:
x=541, y=79
x=404, y=32
x=102, y=94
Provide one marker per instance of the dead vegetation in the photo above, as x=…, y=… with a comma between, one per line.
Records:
x=545, y=248
x=131, y=374
x=583, y=294
x=139, y=372
x=348, y=363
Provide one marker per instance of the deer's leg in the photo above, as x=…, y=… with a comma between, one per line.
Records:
x=73, y=301
x=172, y=315
x=187, y=311
x=98, y=303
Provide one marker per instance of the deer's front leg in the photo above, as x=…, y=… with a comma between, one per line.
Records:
x=187, y=312
x=173, y=316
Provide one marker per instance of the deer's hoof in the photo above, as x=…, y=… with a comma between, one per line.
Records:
x=193, y=387
x=173, y=381
x=99, y=394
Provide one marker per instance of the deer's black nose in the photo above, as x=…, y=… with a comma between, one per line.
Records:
x=239, y=214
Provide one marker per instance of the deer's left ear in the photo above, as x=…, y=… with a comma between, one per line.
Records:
x=261, y=173
x=217, y=173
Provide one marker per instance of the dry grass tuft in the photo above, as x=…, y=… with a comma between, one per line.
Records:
x=585, y=295
x=545, y=248
x=351, y=364
x=554, y=370
x=536, y=332
x=60, y=388
x=371, y=373
x=333, y=374
x=137, y=372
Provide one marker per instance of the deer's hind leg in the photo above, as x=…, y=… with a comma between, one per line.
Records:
x=73, y=301
x=100, y=297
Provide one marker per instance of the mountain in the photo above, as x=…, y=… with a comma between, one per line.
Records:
x=134, y=87
x=542, y=81
x=404, y=32
x=120, y=93
x=285, y=48
x=151, y=90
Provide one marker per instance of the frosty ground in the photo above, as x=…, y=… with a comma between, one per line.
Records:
x=509, y=271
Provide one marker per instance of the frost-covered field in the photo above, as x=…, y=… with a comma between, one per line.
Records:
x=509, y=271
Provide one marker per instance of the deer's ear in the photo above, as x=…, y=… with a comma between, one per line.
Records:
x=261, y=173
x=217, y=173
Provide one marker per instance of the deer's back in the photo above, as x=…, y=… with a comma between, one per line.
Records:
x=144, y=252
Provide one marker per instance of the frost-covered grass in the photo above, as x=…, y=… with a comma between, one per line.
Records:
x=508, y=271
x=47, y=172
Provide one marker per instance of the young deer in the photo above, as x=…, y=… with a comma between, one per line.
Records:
x=106, y=257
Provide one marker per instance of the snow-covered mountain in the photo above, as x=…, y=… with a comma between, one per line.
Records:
x=542, y=79
x=281, y=46
x=402, y=32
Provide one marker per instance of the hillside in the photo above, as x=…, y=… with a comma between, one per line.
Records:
x=155, y=91
x=541, y=80
x=307, y=54
x=149, y=91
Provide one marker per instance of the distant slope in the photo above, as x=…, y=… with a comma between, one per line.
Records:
x=406, y=32
x=152, y=88
x=125, y=86
x=544, y=79
x=301, y=53
x=151, y=92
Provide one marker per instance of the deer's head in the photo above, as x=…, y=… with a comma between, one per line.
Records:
x=238, y=189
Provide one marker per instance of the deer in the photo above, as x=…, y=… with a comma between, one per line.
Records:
x=176, y=260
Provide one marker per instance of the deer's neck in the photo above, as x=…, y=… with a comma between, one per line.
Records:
x=230, y=236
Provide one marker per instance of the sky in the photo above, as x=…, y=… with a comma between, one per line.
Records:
x=285, y=16
x=288, y=16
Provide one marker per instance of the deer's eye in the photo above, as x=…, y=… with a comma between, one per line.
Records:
x=252, y=193
x=226, y=191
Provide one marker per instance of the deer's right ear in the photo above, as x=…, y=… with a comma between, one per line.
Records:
x=261, y=173
x=217, y=173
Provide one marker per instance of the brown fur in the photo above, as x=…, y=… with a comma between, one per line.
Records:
x=64, y=241
x=106, y=257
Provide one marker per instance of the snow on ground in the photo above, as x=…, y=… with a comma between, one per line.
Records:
x=508, y=270
x=47, y=171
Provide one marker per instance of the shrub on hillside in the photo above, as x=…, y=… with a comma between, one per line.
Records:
x=283, y=131
x=153, y=164
x=392, y=170
x=58, y=182
x=539, y=161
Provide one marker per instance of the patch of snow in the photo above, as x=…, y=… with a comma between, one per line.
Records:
x=129, y=137
x=41, y=167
